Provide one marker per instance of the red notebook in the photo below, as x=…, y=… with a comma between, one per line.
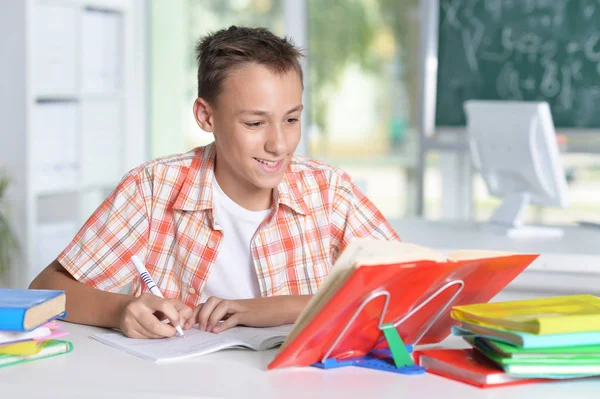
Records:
x=410, y=273
x=468, y=366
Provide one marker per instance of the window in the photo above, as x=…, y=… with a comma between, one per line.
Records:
x=175, y=29
x=363, y=73
x=211, y=15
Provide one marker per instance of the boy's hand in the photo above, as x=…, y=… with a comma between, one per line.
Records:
x=139, y=320
x=257, y=312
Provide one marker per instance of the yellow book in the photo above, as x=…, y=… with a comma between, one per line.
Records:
x=23, y=348
x=52, y=348
x=556, y=315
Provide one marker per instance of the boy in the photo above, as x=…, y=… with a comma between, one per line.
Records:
x=239, y=231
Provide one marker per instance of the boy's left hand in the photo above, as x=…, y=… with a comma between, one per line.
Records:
x=256, y=312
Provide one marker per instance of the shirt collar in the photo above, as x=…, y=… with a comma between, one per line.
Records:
x=289, y=192
x=196, y=191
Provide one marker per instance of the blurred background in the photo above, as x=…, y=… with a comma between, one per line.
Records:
x=92, y=88
x=364, y=70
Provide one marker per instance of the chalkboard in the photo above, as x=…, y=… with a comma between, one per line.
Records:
x=529, y=50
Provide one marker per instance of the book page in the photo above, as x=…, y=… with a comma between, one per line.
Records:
x=39, y=314
x=361, y=252
x=8, y=337
x=259, y=338
x=369, y=252
x=380, y=252
x=195, y=342
x=476, y=254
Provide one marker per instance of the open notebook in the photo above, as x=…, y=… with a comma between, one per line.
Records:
x=196, y=342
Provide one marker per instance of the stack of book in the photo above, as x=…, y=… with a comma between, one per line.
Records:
x=28, y=329
x=522, y=341
x=551, y=337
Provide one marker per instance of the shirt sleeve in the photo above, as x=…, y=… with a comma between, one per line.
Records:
x=355, y=216
x=100, y=252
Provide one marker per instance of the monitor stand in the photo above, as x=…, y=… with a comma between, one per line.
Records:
x=508, y=220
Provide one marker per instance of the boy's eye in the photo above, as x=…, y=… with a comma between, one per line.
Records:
x=292, y=120
x=253, y=124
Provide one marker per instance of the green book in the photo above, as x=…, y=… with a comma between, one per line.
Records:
x=515, y=352
x=527, y=340
x=548, y=367
x=485, y=349
x=53, y=348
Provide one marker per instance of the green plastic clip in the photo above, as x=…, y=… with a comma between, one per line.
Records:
x=397, y=347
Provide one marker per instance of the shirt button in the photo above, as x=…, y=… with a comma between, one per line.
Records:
x=191, y=290
x=211, y=244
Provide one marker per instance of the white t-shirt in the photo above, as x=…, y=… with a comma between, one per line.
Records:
x=233, y=275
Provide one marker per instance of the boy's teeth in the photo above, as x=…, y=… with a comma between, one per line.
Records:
x=267, y=162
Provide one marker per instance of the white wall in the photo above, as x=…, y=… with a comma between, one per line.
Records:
x=13, y=98
x=168, y=46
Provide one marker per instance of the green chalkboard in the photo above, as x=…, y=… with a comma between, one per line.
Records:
x=528, y=50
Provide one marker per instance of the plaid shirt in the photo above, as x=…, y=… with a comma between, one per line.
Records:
x=162, y=211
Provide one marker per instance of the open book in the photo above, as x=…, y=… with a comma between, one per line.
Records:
x=196, y=342
x=411, y=274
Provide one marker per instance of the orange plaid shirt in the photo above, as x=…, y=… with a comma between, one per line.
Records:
x=162, y=211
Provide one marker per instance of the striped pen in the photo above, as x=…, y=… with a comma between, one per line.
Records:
x=150, y=284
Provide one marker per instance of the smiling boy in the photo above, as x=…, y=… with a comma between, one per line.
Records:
x=239, y=231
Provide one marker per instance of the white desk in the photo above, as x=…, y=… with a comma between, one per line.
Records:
x=94, y=370
x=567, y=265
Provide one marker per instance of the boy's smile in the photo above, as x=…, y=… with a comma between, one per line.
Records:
x=256, y=123
x=270, y=166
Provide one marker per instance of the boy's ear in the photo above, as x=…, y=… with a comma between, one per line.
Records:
x=203, y=115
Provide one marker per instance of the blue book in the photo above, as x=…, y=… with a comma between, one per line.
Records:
x=24, y=310
x=527, y=340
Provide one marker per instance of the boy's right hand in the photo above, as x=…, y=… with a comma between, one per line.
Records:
x=139, y=320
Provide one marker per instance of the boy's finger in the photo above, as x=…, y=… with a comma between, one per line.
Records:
x=152, y=301
x=184, y=311
x=142, y=331
x=180, y=305
x=193, y=318
x=170, y=312
x=232, y=321
x=155, y=327
x=205, y=312
x=217, y=314
x=185, y=316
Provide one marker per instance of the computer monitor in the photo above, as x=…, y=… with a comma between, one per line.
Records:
x=513, y=145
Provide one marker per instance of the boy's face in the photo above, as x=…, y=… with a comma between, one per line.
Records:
x=256, y=123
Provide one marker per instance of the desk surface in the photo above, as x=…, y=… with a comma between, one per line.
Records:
x=577, y=240
x=94, y=370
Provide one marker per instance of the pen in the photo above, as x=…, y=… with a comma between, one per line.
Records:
x=150, y=284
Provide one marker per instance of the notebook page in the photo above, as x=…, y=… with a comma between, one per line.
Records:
x=195, y=343
x=259, y=338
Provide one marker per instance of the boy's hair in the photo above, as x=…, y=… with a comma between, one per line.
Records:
x=221, y=52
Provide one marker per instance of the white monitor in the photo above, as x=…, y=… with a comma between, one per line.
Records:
x=513, y=145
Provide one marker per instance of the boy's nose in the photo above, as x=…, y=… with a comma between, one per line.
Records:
x=275, y=143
